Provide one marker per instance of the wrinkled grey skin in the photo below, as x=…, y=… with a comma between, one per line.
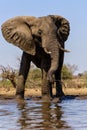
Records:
x=40, y=39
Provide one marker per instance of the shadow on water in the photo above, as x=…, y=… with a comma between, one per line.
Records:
x=38, y=115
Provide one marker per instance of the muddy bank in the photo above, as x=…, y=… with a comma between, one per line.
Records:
x=30, y=92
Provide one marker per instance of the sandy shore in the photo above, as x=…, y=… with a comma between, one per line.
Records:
x=10, y=92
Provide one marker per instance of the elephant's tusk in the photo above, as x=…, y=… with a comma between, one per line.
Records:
x=62, y=49
x=48, y=52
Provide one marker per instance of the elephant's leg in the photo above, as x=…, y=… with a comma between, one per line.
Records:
x=23, y=72
x=46, y=86
x=59, y=91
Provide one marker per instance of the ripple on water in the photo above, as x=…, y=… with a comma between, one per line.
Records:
x=75, y=113
x=38, y=115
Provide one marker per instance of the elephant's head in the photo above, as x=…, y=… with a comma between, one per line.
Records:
x=51, y=29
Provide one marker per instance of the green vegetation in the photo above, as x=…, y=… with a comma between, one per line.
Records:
x=34, y=78
x=66, y=73
x=5, y=84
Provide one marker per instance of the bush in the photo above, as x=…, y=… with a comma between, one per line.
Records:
x=34, y=78
x=66, y=73
x=35, y=74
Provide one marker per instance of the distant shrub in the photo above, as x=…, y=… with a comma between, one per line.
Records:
x=35, y=74
x=34, y=78
x=66, y=73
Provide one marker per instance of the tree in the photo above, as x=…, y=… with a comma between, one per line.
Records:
x=9, y=73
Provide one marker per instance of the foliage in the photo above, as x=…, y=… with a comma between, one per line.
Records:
x=35, y=75
x=84, y=75
x=9, y=73
x=5, y=84
x=34, y=78
x=72, y=68
x=66, y=73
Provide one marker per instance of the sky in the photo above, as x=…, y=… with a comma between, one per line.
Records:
x=73, y=10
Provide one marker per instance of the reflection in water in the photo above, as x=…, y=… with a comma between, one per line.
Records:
x=22, y=115
x=37, y=115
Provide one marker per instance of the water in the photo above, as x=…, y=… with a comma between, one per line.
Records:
x=38, y=115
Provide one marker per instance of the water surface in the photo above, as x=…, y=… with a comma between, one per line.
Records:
x=39, y=115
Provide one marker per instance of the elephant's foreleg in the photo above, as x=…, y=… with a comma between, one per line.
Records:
x=23, y=72
x=59, y=91
x=46, y=85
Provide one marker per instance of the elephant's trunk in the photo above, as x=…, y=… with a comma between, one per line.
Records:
x=54, y=61
x=53, y=50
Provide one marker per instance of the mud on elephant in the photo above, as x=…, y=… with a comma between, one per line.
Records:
x=42, y=41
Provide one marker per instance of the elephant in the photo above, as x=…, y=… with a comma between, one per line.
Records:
x=42, y=41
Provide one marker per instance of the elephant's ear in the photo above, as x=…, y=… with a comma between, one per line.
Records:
x=17, y=31
x=63, y=27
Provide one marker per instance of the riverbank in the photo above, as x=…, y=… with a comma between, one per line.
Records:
x=36, y=92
